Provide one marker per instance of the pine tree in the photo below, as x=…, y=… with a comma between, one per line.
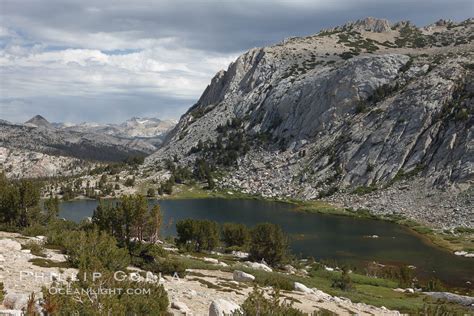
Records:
x=52, y=208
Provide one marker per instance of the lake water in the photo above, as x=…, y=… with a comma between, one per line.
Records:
x=321, y=236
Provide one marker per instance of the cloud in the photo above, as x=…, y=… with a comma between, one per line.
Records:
x=103, y=108
x=162, y=72
x=225, y=26
x=144, y=56
x=77, y=72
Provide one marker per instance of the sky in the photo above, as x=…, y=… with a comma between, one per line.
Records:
x=107, y=61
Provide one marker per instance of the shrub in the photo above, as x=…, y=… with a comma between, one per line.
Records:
x=129, y=219
x=2, y=292
x=34, y=230
x=36, y=248
x=435, y=285
x=130, y=182
x=361, y=107
x=181, y=174
x=405, y=276
x=347, y=55
x=439, y=309
x=275, y=280
x=153, y=258
x=344, y=282
x=155, y=302
x=150, y=192
x=171, y=266
x=268, y=242
x=406, y=66
x=166, y=187
x=469, y=66
x=30, y=304
x=325, y=193
x=96, y=251
x=462, y=115
x=46, y=263
x=199, y=235
x=57, y=232
x=19, y=202
x=142, y=253
x=257, y=304
x=235, y=235
x=362, y=190
x=370, y=167
x=52, y=208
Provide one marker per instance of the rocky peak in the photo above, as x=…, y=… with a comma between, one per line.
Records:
x=443, y=22
x=368, y=24
x=5, y=122
x=403, y=24
x=337, y=111
x=38, y=121
x=371, y=24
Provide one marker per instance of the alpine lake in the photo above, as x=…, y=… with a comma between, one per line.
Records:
x=338, y=239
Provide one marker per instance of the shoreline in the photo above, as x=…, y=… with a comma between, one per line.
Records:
x=430, y=234
x=433, y=236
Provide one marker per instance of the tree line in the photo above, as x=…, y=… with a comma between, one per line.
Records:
x=20, y=204
x=129, y=219
x=265, y=241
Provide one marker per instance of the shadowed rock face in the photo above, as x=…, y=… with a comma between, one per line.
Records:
x=345, y=108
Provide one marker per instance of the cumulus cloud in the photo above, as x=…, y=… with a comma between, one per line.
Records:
x=181, y=73
x=162, y=71
x=144, y=57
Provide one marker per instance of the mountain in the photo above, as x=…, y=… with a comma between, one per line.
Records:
x=367, y=115
x=109, y=142
x=150, y=130
x=146, y=127
x=81, y=145
x=5, y=122
x=38, y=121
x=18, y=164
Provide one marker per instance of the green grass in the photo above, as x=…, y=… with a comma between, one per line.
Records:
x=206, y=283
x=370, y=290
x=319, y=207
x=374, y=291
x=459, y=239
x=362, y=190
x=181, y=191
x=191, y=263
x=46, y=263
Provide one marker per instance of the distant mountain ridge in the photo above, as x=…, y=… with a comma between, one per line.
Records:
x=136, y=127
x=109, y=142
x=38, y=121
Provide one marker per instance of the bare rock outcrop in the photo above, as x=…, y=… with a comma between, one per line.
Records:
x=362, y=106
x=221, y=307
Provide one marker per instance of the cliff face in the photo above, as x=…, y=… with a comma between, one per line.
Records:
x=358, y=106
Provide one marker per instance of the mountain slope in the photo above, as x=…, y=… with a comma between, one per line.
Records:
x=106, y=142
x=81, y=145
x=38, y=121
x=151, y=130
x=354, y=109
